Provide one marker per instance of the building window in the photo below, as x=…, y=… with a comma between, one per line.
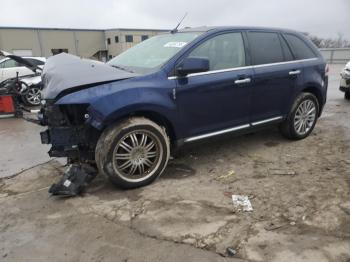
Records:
x=144, y=37
x=116, y=39
x=108, y=41
x=110, y=56
x=129, y=38
x=57, y=51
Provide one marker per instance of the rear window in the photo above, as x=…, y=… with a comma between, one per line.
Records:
x=265, y=48
x=300, y=49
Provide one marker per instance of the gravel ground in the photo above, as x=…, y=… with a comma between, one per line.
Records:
x=299, y=192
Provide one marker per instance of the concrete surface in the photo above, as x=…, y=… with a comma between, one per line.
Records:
x=20, y=146
x=299, y=192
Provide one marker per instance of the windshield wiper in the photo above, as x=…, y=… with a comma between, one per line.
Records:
x=123, y=68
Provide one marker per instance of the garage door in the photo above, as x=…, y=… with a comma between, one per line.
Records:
x=22, y=52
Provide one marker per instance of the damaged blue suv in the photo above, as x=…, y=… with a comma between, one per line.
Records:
x=177, y=88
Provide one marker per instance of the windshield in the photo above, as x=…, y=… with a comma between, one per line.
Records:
x=151, y=54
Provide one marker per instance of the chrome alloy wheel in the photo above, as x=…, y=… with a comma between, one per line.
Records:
x=33, y=96
x=137, y=155
x=305, y=117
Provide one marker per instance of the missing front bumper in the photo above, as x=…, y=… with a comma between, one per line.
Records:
x=74, y=180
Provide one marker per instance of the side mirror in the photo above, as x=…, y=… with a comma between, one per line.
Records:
x=192, y=65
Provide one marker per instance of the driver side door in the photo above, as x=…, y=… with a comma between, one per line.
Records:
x=216, y=101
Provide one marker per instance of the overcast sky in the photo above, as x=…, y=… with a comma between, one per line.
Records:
x=320, y=17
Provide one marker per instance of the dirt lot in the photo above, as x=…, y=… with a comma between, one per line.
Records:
x=299, y=192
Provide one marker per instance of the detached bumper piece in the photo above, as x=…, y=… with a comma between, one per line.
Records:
x=74, y=180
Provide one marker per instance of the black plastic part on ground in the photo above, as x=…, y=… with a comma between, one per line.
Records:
x=74, y=180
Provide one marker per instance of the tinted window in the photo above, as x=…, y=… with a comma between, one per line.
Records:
x=286, y=51
x=300, y=49
x=129, y=38
x=223, y=51
x=265, y=48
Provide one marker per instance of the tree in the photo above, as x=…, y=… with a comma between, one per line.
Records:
x=338, y=42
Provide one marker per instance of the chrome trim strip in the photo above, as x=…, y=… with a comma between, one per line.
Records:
x=224, y=131
x=194, y=138
x=267, y=121
x=243, y=67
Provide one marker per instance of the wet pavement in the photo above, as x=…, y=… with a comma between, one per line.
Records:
x=20, y=146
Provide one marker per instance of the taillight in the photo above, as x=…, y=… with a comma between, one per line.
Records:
x=327, y=69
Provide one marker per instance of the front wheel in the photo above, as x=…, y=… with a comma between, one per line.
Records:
x=302, y=117
x=32, y=97
x=133, y=153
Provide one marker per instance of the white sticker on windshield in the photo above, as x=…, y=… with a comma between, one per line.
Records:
x=175, y=44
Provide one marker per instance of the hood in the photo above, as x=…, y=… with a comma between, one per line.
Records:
x=22, y=61
x=67, y=73
x=34, y=80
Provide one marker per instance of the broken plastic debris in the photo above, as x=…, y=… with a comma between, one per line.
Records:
x=242, y=201
x=231, y=251
x=229, y=174
x=282, y=172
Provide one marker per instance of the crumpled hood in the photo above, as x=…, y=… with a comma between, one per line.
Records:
x=23, y=61
x=64, y=72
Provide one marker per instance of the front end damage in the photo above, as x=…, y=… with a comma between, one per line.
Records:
x=68, y=132
x=70, y=136
x=70, y=129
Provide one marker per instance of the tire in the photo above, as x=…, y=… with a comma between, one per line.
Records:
x=124, y=152
x=347, y=95
x=32, y=97
x=293, y=127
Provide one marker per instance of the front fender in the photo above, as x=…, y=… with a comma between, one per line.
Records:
x=109, y=108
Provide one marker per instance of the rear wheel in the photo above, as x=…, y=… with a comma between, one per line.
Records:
x=302, y=117
x=133, y=153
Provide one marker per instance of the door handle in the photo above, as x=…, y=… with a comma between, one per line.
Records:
x=294, y=72
x=243, y=81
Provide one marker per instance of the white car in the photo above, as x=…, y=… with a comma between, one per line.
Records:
x=9, y=67
x=345, y=81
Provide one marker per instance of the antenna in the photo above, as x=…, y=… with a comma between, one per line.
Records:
x=175, y=29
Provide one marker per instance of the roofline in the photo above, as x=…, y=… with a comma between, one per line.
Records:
x=222, y=28
x=137, y=29
x=82, y=29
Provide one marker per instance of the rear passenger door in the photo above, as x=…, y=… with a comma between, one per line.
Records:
x=276, y=76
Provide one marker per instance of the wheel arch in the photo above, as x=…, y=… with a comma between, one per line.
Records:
x=154, y=116
x=316, y=92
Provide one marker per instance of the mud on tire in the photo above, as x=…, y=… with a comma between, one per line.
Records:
x=133, y=152
x=288, y=128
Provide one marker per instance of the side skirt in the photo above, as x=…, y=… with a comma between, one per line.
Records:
x=234, y=130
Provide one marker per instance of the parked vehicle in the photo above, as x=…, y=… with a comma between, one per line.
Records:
x=178, y=88
x=345, y=81
x=28, y=86
x=9, y=67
